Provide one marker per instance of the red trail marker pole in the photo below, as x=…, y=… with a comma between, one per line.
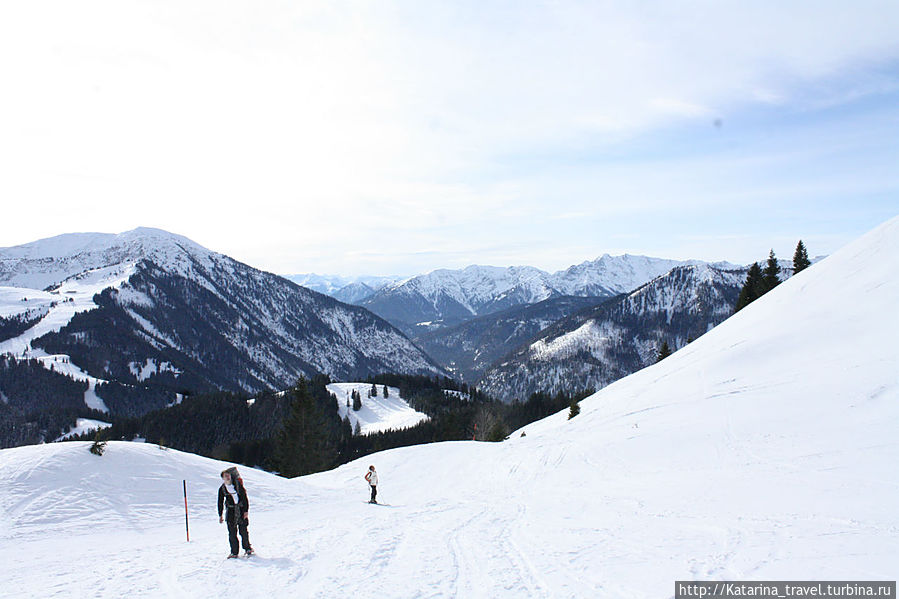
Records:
x=186, y=526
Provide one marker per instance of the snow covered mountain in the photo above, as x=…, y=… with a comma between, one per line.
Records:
x=469, y=349
x=599, y=345
x=764, y=450
x=351, y=290
x=449, y=297
x=151, y=309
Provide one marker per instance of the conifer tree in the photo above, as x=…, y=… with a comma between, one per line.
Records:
x=374, y=391
x=302, y=445
x=752, y=288
x=800, y=258
x=498, y=432
x=575, y=407
x=664, y=352
x=357, y=430
x=98, y=446
x=770, y=276
x=386, y=392
x=357, y=401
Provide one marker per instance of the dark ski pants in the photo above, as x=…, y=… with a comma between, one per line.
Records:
x=236, y=525
x=374, y=493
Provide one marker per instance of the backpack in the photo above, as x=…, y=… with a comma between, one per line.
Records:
x=236, y=480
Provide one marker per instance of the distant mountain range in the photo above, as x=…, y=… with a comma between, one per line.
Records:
x=445, y=298
x=351, y=290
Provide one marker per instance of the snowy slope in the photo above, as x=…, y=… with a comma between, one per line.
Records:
x=84, y=425
x=764, y=450
x=378, y=413
x=47, y=262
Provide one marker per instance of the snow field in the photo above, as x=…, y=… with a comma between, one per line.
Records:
x=83, y=425
x=377, y=413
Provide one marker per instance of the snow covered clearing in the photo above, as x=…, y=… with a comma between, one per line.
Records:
x=83, y=425
x=765, y=450
x=378, y=413
x=30, y=303
x=588, y=336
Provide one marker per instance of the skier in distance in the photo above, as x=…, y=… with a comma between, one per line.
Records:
x=372, y=478
x=234, y=502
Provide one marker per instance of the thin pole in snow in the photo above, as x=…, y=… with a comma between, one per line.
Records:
x=186, y=527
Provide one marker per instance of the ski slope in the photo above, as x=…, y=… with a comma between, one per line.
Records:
x=765, y=450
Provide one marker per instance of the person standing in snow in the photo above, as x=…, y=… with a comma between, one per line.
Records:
x=234, y=502
x=372, y=478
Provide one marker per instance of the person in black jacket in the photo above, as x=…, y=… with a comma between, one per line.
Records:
x=233, y=496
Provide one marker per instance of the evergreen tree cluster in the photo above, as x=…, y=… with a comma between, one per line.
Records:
x=224, y=426
x=308, y=439
x=760, y=281
x=38, y=404
x=134, y=400
x=17, y=324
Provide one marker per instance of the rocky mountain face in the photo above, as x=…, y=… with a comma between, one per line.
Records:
x=600, y=344
x=183, y=318
x=469, y=349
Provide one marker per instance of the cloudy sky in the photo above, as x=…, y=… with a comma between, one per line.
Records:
x=380, y=137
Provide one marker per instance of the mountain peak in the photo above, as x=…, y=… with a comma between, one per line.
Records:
x=49, y=261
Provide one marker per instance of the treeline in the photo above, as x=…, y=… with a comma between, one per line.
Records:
x=314, y=438
x=225, y=426
x=300, y=431
x=36, y=403
x=760, y=281
x=134, y=400
x=17, y=324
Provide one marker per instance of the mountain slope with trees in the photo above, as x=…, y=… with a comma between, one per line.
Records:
x=602, y=344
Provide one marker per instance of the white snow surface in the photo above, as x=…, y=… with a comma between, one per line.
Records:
x=47, y=262
x=377, y=413
x=29, y=303
x=83, y=425
x=765, y=450
x=587, y=336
